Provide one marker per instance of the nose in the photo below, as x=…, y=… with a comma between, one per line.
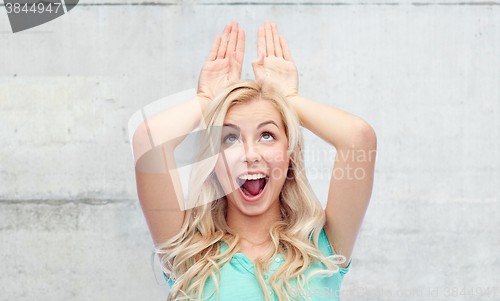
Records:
x=252, y=153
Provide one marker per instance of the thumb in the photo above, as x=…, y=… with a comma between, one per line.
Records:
x=260, y=58
x=258, y=68
x=259, y=61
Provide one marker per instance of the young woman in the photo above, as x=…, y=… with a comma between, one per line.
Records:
x=253, y=228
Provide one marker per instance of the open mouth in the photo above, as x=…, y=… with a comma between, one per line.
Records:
x=252, y=187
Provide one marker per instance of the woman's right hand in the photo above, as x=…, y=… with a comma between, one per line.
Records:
x=224, y=63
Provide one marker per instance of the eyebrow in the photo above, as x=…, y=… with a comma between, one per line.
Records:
x=260, y=125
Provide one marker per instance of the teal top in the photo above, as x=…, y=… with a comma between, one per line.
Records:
x=238, y=280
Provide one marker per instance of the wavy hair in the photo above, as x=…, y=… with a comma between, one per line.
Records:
x=193, y=255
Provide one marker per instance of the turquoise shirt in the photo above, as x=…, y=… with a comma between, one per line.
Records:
x=238, y=280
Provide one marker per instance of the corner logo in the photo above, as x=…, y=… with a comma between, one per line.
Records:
x=31, y=13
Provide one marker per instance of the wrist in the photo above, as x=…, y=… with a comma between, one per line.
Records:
x=293, y=97
x=294, y=100
x=291, y=90
x=203, y=98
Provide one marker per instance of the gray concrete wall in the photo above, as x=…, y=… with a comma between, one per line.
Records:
x=425, y=75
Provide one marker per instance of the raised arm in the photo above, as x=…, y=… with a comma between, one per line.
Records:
x=354, y=139
x=158, y=183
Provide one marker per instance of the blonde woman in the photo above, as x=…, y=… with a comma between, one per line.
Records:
x=252, y=228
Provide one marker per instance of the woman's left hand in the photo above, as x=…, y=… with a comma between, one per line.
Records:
x=274, y=63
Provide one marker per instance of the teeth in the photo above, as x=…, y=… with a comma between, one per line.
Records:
x=252, y=177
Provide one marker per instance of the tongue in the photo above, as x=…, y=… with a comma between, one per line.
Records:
x=253, y=186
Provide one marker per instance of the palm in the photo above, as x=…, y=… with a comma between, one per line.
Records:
x=222, y=69
x=216, y=76
x=275, y=64
x=281, y=72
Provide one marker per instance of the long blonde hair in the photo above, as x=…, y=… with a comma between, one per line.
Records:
x=191, y=256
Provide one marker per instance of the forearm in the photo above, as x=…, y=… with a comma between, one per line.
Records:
x=169, y=126
x=339, y=128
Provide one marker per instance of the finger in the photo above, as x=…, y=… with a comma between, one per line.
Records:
x=269, y=38
x=223, y=44
x=231, y=46
x=240, y=47
x=261, y=41
x=286, y=50
x=215, y=47
x=276, y=40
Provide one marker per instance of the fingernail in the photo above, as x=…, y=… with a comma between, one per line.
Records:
x=234, y=54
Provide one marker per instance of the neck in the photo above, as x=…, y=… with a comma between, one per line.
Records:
x=253, y=228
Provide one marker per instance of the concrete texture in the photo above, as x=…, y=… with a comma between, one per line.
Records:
x=424, y=74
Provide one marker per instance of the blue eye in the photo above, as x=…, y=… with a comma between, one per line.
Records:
x=231, y=138
x=268, y=135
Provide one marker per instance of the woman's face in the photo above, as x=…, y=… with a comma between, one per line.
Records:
x=253, y=145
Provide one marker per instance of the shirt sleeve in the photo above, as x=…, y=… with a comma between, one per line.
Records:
x=324, y=246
